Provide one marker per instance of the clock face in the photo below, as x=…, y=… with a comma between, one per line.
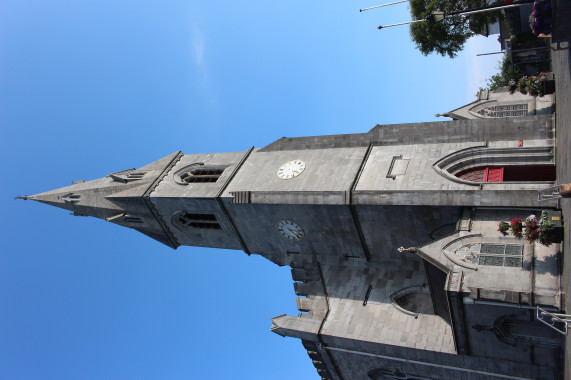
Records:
x=290, y=230
x=291, y=169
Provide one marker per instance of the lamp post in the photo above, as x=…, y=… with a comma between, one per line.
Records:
x=437, y=16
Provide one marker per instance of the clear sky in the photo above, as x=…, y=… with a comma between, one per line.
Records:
x=88, y=88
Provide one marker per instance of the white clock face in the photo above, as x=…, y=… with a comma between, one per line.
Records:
x=290, y=230
x=291, y=169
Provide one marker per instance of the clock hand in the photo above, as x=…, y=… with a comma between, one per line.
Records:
x=294, y=233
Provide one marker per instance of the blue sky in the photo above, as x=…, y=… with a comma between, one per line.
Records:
x=90, y=88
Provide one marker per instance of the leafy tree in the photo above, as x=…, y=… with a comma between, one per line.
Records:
x=507, y=73
x=448, y=36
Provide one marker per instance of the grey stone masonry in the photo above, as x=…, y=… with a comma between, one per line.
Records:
x=392, y=236
x=507, y=129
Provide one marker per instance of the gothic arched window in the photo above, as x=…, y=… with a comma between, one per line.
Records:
x=513, y=331
x=484, y=164
x=202, y=174
x=509, y=110
x=201, y=221
x=199, y=173
x=414, y=300
x=498, y=255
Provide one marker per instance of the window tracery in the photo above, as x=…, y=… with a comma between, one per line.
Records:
x=511, y=110
x=199, y=173
x=506, y=255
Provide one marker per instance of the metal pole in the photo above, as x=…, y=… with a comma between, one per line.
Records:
x=514, y=51
x=487, y=9
x=497, y=52
x=401, y=23
x=442, y=15
x=383, y=5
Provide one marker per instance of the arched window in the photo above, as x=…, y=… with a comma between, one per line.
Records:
x=508, y=110
x=513, y=331
x=483, y=164
x=200, y=221
x=534, y=173
x=199, y=173
x=203, y=174
x=413, y=300
x=498, y=255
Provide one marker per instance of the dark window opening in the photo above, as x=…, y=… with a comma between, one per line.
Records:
x=207, y=226
x=136, y=175
x=203, y=174
x=203, y=221
x=416, y=303
x=199, y=217
x=531, y=173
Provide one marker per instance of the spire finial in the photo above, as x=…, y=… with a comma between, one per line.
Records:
x=24, y=197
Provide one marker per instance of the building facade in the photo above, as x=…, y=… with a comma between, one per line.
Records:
x=391, y=235
x=500, y=103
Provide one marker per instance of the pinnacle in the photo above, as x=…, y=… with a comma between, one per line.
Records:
x=83, y=198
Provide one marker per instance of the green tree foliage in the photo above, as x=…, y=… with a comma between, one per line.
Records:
x=507, y=72
x=448, y=36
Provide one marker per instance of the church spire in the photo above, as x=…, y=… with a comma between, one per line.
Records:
x=85, y=198
x=118, y=198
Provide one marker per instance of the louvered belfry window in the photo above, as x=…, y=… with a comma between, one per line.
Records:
x=203, y=221
x=202, y=174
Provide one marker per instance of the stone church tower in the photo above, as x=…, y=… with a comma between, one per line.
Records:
x=456, y=301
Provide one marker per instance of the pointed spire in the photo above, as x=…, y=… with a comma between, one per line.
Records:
x=85, y=198
x=118, y=198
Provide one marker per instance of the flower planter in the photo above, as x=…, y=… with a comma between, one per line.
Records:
x=539, y=85
x=544, y=229
x=554, y=216
x=549, y=87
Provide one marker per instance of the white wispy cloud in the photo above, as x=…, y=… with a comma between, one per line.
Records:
x=197, y=45
x=198, y=48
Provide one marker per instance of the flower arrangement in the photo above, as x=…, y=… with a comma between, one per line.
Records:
x=533, y=228
x=541, y=19
x=504, y=228
x=534, y=85
x=516, y=227
x=522, y=85
x=512, y=86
